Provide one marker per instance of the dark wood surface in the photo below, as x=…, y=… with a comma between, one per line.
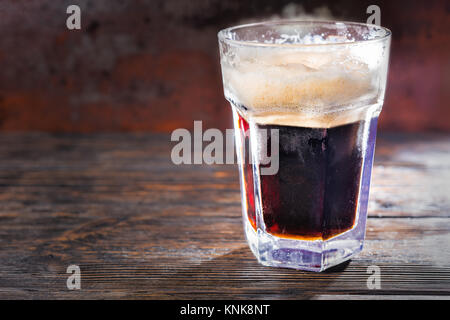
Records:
x=140, y=227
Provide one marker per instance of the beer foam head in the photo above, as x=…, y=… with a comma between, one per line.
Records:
x=311, y=85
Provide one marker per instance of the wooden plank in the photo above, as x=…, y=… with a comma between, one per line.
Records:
x=141, y=227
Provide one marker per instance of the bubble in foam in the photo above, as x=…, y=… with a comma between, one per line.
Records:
x=279, y=86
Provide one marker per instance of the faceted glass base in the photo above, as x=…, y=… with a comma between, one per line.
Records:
x=316, y=255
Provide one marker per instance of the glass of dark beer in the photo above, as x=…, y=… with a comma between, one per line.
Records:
x=305, y=98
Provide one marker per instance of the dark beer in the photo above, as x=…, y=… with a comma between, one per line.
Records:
x=314, y=194
x=306, y=97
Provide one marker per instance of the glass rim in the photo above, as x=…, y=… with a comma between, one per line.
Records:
x=224, y=34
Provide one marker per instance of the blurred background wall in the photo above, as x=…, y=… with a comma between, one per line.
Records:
x=153, y=65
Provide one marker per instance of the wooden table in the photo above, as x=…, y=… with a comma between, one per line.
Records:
x=139, y=226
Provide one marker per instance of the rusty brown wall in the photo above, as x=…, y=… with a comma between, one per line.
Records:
x=153, y=65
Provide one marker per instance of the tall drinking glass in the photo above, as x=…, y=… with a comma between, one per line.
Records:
x=305, y=98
